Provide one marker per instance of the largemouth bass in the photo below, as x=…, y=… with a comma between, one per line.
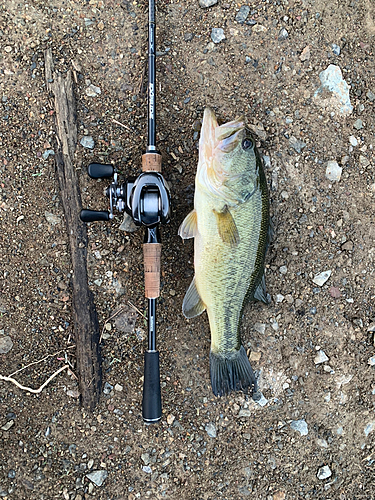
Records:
x=230, y=225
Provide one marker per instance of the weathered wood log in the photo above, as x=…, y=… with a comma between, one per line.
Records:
x=86, y=326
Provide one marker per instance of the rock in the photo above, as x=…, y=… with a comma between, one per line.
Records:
x=283, y=34
x=242, y=14
x=147, y=469
x=279, y=298
x=358, y=124
x=73, y=393
x=217, y=35
x=207, y=3
x=259, y=28
x=93, y=91
x=353, y=141
x=47, y=153
x=90, y=463
x=107, y=389
x=324, y=472
x=370, y=96
x=369, y=428
x=8, y=425
x=371, y=361
x=52, y=218
x=365, y=162
x=6, y=344
x=260, y=328
x=211, y=430
x=336, y=49
x=170, y=419
x=322, y=443
x=244, y=412
x=118, y=387
x=87, y=142
x=347, y=246
x=305, y=54
x=283, y=269
x=128, y=224
x=279, y=495
x=188, y=37
x=145, y=457
x=244, y=491
x=320, y=357
x=332, y=80
x=296, y=144
x=300, y=426
x=97, y=477
x=321, y=278
x=333, y=171
x=259, y=398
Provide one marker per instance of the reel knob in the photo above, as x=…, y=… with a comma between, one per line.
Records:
x=100, y=171
x=94, y=215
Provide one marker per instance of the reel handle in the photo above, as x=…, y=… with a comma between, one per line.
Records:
x=100, y=171
x=94, y=215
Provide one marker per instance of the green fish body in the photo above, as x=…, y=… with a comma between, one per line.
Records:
x=230, y=225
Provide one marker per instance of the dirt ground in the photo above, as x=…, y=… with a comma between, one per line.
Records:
x=312, y=436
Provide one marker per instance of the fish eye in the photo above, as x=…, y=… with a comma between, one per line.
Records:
x=247, y=144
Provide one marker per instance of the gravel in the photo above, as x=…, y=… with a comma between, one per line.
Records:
x=321, y=278
x=333, y=171
x=300, y=426
x=324, y=472
x=97, y=477
x=217, y=35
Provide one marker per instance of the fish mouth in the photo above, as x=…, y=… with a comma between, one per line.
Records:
x=222, y=138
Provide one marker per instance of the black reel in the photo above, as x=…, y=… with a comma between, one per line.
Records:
x=145, y=198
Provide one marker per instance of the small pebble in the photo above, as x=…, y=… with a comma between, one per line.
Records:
x=217, y=35
x=324, y=472
x=6, y=344
x=336, y=49
x=358, y=124
x=322, y=443
x=90, y=463
x=300, y=426
x=370, y=96
x=305, y=54
x=118, y=388
x=320, y=357
x=8, y=425
x=147, y=469
x=87, y=142
x=333, y=171
x=371, y=361
x=260, y=328
x=283, y=34
x=242, y=14
x=369, y=428
x=321, y=278
x=52, y=218
x=170, y=419
x=93, y=91
x=97, y=477
x=279, y=298
x=353, y=141
x=296, y=144
x=260, y=399
x=207, y=3
x=334, y=292
x=107, y=388
x=211, y=430
x=283, y=269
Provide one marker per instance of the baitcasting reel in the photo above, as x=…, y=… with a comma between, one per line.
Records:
x=146, y=199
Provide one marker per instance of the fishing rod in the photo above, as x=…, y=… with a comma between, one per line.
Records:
x=147, y=200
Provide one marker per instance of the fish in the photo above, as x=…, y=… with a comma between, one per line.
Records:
x=231, y=227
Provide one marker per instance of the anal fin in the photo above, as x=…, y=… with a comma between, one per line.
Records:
x=192, y=304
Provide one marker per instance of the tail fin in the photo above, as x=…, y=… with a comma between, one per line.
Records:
x=231, y=372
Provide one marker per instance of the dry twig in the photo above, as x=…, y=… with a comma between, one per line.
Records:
x=40, y=360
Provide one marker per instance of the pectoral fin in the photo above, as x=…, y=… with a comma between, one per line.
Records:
x=192, y=305
x=228, y=231
x=261, y=292
x=189, y=227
